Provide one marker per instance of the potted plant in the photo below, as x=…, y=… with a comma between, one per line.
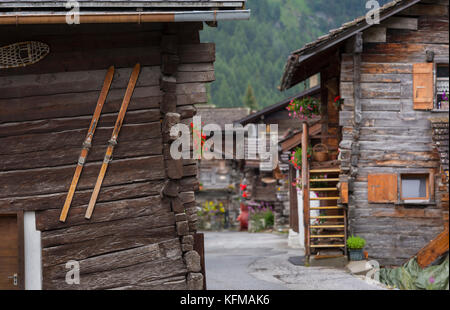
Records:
x=355, y=246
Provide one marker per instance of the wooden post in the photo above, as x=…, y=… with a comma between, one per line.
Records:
x=293, y=201
x=199, y=247
x=305, y=188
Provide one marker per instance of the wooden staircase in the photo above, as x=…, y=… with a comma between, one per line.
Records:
x=328, y=230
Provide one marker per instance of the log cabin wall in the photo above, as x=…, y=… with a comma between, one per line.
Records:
x=392, y=137
x=140, y=235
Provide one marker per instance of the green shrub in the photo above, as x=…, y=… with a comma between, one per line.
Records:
x=355, y=243
x=269, y=218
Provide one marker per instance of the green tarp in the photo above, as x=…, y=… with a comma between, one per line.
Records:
x=411, y=277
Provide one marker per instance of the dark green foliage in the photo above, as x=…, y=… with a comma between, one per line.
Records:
x=250, y=100
x=255, y=51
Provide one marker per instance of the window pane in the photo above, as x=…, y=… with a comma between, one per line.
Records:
x=442, y=71
x=414, y=187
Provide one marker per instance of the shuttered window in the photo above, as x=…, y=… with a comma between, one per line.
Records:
x=423, y=86
x=382, y=188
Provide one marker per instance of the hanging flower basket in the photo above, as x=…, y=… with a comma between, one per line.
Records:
x=304, y=109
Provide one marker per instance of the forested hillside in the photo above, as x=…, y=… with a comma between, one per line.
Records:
x=254, y=52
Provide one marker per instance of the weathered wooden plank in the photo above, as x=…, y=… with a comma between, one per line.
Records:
x=126, y=227
x=433, y=250
x=197, y=53
x=75, y=104
x=197, y=67
x=64, y=124
x=96, y=59
x=120, y=259
x=397, y=22
x=375, y=35
x=191, y=77
x=140, y=274
x=404, y=48
x=71, y=82
x=383, y=68
x=138, y=147
x=426, y=37
x=385, y=78
x=74, y=138
x=61, y=254
x=380, y=105
x=407, y=213
x=380, y=90
x=107, y=194
x=104, y=212
x=78, y=41
x=426, y=9
x=56, y=180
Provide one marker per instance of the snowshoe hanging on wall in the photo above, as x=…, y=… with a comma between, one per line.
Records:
x=22, y=54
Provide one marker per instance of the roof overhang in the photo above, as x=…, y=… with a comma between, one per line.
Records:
x=308, y=55
x=277, y=107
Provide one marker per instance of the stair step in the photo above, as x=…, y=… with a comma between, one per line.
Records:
x=328, y=217
x=325, y=180
x=324, y=189
x=329, y=170
x=325, y=198
x=327, y=246
x=327, y=226
x=328, y=236
x=327, y=208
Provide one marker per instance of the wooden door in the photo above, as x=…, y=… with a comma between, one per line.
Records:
x=10, y=273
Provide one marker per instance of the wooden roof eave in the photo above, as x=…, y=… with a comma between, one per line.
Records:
x=295, y=140
x=277, y=107
x=302, y=57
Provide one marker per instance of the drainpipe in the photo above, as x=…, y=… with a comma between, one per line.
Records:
x=135, y=17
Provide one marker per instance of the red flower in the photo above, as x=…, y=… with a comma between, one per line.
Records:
x=244, y=195
x=243, y=187
x=337, y=98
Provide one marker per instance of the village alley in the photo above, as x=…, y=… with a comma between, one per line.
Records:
x=243, y=261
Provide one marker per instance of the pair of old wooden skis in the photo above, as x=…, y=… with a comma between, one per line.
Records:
x=112, y=142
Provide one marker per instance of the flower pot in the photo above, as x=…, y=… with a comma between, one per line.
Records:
x=356, y=255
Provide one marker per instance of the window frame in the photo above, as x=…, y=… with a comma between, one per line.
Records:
x=430, y=187
x=435, y=84
x=404, y=176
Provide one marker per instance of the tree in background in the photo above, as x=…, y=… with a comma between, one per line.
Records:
x=250, y=100
x=256, y=50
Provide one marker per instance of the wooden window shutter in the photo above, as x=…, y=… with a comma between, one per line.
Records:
x=382, y=188
x=423, y=86
x=344, y=192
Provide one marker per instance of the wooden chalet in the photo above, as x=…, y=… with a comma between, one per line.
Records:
x=392, y=131
x=219, y=178
x=142, y=234
x=266, y=184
